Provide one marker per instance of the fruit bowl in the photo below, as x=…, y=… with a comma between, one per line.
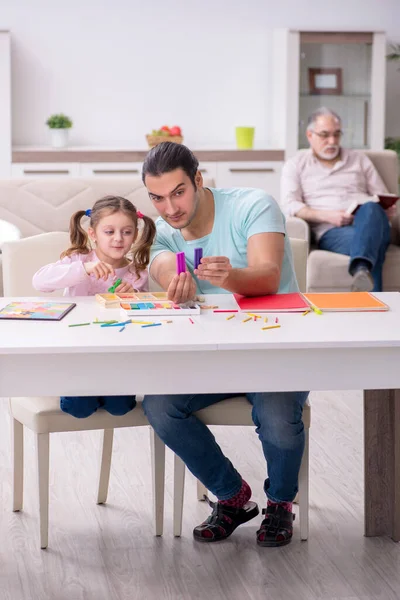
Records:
x=154, y=140
x=165, y=134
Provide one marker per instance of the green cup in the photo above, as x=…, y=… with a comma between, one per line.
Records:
x=244, y=138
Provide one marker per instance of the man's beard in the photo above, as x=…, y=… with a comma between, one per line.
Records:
x=325, y=155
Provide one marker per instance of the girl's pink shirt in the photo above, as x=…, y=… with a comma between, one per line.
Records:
x=69, y=273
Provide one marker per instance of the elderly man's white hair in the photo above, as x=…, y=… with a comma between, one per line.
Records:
x=322, y=112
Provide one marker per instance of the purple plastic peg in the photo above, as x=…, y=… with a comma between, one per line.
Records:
x=180, y=263
x=198, y=255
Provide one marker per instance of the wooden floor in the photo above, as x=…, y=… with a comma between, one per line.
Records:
x=109, y=552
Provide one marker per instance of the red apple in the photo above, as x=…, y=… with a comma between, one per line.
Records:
x=166, y=129
x=175, y=130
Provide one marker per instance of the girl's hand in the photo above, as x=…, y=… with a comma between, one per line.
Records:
x=125, y=288
x=101, y=270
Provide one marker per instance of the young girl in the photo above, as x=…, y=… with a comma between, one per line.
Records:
x=113, y=231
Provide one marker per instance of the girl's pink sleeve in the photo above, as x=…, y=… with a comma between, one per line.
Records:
x=64, y=273
x=141, y=284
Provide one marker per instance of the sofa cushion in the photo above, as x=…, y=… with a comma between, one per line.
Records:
x=37, y=206
x=42, y=205
x=328, y=271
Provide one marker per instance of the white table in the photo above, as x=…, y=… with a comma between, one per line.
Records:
x=333, y=351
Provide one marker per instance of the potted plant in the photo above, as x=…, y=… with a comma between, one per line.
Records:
x=59, y=125
x=394, y=54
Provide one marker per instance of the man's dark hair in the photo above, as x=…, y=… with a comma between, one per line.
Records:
x=167, y=157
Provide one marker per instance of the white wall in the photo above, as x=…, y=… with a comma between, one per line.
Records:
x=122, y=67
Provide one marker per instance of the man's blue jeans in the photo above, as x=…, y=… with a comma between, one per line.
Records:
x=278, y=418
x=367, y=238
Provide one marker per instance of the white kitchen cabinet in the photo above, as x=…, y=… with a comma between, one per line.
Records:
x=208, y=170
x=111, y=169
x=257, y=174
x=45, y=170
x=264, y=175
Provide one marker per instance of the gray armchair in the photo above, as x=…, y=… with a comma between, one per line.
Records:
x=328, y=271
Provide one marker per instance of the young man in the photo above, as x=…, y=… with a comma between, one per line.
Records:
x=320, y=184
x=245, y=250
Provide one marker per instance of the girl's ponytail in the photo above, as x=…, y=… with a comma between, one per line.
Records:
x=141, y=252
x=78, y=236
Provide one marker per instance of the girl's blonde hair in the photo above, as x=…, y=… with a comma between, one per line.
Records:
x=80, y=243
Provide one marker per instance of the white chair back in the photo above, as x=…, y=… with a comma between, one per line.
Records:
x=8, y=232
x=22, y=258
x=300, y=254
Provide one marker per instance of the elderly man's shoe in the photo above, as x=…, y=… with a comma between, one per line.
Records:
x=362, y=281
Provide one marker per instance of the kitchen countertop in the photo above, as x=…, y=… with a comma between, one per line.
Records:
x=108, y=155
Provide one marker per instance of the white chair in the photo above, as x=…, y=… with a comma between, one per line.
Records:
x=237, y=411
x=8, y=232
x=233, y=412
x=43, y=414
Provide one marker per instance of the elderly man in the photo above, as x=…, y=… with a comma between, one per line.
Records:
x=319, y=184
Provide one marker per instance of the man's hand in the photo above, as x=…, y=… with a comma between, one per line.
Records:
x=391, y=212
x=338, y=218
x=182, y=288
x=214, y=269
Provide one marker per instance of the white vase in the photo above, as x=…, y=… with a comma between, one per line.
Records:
x=59, y=138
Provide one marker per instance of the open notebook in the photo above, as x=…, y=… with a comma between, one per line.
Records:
x=346, y=302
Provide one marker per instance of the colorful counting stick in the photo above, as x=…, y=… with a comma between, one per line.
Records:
x=198, y=255
x=114, y=286
x=180, y=263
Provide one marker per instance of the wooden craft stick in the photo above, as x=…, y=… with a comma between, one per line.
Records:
x=316, y=310
x=102, y=322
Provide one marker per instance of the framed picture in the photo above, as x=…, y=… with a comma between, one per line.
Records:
x=325, y=81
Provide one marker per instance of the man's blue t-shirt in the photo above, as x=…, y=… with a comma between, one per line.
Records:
x=239, y=214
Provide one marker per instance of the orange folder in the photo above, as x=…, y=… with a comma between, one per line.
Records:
x=346, y=302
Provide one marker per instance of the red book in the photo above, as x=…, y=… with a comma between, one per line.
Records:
x=385, y=200
x=273, y=303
